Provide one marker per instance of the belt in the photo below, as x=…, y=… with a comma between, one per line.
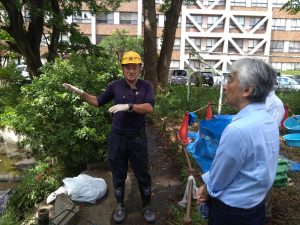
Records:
x=226, y=207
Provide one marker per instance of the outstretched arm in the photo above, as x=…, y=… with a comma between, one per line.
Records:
x=90, y=99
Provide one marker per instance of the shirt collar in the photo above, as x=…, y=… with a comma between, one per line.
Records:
x=248, y=109
x=136, y=85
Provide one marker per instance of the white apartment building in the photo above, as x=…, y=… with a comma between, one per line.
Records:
x=216, y=32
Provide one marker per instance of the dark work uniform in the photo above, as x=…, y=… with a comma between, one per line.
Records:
x=128, y=140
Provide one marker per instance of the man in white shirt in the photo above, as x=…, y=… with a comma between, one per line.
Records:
x=244, y=168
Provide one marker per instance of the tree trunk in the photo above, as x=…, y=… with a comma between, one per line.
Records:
x=171, y=23
x=53, y=47
x=28, y=42
x=150, y=49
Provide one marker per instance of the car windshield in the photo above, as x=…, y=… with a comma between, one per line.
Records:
x=286, y=81
x=206, y=73
x=179, y=73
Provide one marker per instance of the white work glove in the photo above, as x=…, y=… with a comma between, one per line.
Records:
x=73, y=89
x=118, y=108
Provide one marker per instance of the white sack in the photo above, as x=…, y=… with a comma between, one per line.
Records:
x=85, y=188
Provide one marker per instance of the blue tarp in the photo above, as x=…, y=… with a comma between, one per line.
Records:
x=206, y=140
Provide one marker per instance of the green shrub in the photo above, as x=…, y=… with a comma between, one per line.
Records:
x=57, y=122
x=9, y=217
x=291, y=99
x=10, y=87
x=36, y=184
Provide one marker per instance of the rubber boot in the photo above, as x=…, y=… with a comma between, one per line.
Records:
x=148, y=213
x=120, y=213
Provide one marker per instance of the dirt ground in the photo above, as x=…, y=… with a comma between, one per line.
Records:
x=286, y=200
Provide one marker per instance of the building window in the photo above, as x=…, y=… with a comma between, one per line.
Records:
x=278, y=24
x=239, y=42
x=259, y=3
x=238, y=2
x=252, y=44
x=277, y=46
x=211, y=20
x=221, y=2
x=82, y=17
x=196, y=41
x=240, y=19
x=294, y=46
x=107, y=18
x=295, y=24
x=198, y=20
x=176, y=44
x=279, y=3
x=210, y=42
x=277, y=66
x=128, y=18
x=254, y=21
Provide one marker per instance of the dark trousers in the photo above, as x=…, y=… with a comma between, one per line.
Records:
x=222, y=214
x=134, y=148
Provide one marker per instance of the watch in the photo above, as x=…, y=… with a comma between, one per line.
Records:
x=130, y=107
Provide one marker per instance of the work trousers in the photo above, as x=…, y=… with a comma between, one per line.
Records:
x=222, y=214
x=134, y=148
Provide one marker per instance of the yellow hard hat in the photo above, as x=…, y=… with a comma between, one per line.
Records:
x=131, y=57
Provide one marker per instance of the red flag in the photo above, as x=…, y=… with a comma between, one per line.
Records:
x=286, y=115
x=209, y=113
x=183, y=131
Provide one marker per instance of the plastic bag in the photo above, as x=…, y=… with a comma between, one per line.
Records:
x=85, y=188
x=203, y=148
x=82, y=188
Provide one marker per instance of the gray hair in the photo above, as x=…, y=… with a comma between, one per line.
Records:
x=254, y=73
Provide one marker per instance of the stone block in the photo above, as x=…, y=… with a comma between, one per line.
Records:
x=65, y=211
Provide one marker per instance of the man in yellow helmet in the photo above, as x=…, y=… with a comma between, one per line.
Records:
x=133, y=99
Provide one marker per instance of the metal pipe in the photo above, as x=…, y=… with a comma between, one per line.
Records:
x=43, y=216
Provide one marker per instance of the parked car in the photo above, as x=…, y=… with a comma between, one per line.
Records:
x=178, y=77
x=24, y=72
x=287, y=83
x=200, y=78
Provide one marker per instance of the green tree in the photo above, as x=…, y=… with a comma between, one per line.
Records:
x=56, y=122
x=27, y=21
x=5, y=48
x=292, y=6
x=120, y=41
